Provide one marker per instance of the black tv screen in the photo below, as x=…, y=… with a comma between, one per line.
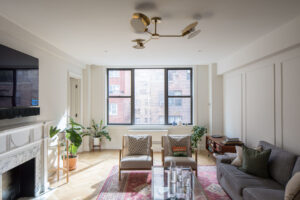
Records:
x=19, y=84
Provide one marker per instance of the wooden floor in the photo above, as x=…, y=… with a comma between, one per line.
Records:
x=93, y=168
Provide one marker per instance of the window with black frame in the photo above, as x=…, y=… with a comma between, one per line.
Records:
x=153, y=96
x=179, y=96
x=119, y=96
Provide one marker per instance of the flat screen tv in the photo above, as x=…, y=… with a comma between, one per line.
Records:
x=19, y=84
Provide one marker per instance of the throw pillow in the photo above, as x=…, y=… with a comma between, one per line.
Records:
x=179, y=141
x=179, y=151
x=239, y=155
x=255, y=162
x=138, y=145
x=293, y=187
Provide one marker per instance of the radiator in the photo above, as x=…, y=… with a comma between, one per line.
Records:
x=156, y=137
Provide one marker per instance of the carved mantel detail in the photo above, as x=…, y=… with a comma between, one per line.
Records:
x=18, y=155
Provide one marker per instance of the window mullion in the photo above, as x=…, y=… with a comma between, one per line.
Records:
x=166, y=98
x=132, y=98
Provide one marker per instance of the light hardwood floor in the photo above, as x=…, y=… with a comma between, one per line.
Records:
x=93, y=168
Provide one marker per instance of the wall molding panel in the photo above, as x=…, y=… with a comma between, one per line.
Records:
x=267, y=99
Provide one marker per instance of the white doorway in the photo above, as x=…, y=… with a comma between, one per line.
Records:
x=75, y=101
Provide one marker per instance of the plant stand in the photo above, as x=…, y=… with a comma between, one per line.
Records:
x=65, y=170
x=96, y=145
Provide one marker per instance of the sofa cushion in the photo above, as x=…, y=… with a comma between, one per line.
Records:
x=261, y=193
x=181, y=161
x=179, y=151
x=239, y=157
x=240, y=180
x=255, y=162
x=297, y=166
x=281, y=163
x=138, y=145
x=136, y=162
x=179, y=141
x=292, y=187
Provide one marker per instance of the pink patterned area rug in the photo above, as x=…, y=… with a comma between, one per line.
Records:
x=136, y=185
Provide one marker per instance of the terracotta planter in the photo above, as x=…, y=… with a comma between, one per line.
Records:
x=72, y=163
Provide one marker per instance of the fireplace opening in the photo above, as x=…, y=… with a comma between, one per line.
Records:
x=19, y=181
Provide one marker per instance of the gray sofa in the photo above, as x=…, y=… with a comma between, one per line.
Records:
x=239, y=185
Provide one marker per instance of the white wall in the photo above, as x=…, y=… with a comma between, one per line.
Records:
x=215, y=101
x=262, y=101
x=276, y=42
x=98, y=105
x=54, y=66
x=262, y=89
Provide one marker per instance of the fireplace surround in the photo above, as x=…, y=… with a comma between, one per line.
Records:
x=23, y=145
x=19, y=181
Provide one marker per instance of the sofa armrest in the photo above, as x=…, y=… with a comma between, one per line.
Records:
x=224, y=159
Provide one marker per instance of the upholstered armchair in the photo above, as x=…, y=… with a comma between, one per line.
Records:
x=136, y=153
x=171, y=141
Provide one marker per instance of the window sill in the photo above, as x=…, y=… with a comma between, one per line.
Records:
x=149, y=127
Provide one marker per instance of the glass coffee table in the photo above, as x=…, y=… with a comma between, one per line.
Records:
x=162, y=187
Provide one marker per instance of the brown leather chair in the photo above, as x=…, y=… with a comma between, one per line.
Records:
x=135, y=162
x=167, y=156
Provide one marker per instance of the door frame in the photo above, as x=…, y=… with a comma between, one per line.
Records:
x=79, y=78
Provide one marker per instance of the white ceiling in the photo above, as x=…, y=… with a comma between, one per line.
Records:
x=99, y=32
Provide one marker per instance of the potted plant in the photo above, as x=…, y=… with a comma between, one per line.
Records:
x=197, y=134
x=74, y=133
x=98, y=131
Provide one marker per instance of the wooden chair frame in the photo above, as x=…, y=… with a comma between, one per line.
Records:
x=121, y=152
x=163, y=155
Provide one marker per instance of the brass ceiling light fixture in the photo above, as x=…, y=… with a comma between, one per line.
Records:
x=141, y=22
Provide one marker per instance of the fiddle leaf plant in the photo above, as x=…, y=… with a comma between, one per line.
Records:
x=74, y=133
x=197, y=134
x=53, y=131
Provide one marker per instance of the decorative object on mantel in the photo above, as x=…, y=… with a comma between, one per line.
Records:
x=98, y=131
x=198, y=132
x=74, y=133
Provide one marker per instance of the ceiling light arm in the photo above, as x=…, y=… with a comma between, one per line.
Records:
x=147, y=31
x=147, y=40
x=170, y=35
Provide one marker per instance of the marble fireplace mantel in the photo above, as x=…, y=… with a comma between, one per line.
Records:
x=20, y=144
